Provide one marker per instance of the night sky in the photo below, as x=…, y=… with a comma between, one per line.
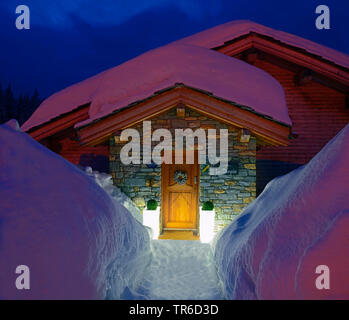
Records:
x=72, y=40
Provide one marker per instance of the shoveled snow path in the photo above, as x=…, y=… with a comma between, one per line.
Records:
x=180, y=270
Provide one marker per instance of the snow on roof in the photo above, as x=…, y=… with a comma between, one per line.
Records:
x=218, y=35
x=141, y=77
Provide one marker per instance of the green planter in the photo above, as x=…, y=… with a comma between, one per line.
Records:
x=207, y=206
x=152, y=204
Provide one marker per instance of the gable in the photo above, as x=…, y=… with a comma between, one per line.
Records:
x=225, y=34
x=242, y=38
x=267, y=129
x=289, y=57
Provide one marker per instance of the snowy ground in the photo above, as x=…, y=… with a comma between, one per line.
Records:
x=179, y=270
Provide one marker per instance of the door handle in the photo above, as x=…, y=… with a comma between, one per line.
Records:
x=195, y=180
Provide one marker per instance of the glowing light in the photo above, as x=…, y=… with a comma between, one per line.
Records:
x=206, y=225
x=151, y=219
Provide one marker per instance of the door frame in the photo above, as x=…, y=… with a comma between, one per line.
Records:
x=197, y=213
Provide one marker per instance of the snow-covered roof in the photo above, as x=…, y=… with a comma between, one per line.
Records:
x=218, y=35
x=141, y=77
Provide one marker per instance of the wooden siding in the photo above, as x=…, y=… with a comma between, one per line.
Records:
x=317, y=112
x=84, y=155
x=67, y=146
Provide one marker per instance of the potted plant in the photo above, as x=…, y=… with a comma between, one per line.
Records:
x=152, y=204
x=207, y=217
x=151, y=217
x=207, y=206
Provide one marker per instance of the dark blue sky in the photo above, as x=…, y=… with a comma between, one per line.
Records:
x=72, y=40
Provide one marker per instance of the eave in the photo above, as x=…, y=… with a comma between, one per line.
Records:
x=269, y=130
x=60, y=123
x=289, y=53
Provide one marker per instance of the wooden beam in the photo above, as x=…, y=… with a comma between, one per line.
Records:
x=315, y=76
x=250, y=56
x=59, y=124
x=180, y=110
x=291, y=66
x=244, y=135
x=298, y=57
x=303, y=77
x=272, y=131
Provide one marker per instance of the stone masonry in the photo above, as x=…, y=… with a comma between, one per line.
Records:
x=230, y=192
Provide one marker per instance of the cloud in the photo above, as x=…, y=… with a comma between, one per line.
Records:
x=52, y=58
x=72, y=40
x=58, y=13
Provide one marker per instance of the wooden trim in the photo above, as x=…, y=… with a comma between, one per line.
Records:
x=315, y=76
x=60, y=123
x=273, y=132
x=180, y=111
x=244, y=135
x=288, y=53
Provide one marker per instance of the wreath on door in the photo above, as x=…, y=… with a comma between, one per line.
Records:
x=180, y=177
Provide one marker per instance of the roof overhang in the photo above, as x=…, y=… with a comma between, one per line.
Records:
x=287, y=52
x=262, y=126
x=60, y=123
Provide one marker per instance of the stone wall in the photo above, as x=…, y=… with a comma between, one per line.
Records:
x=139, y=182
x=230, y=192
x=234, y=190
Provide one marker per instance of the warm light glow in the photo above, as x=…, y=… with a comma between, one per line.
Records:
x=151, y=219
x=206, y=225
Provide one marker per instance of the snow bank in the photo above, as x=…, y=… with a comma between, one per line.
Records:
x=217, y=36
x=299, y=222
x=139, y=78
x=105, y=181
x=78, y=242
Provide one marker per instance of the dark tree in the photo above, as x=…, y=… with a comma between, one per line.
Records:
x=20, y=108
x=9, y=103
x=27, y=108
x=2, y=113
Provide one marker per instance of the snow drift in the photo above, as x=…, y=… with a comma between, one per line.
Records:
x=78, y=242
x=105, y=181
x=299, y=222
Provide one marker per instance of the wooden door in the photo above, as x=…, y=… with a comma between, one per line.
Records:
x=180, y=201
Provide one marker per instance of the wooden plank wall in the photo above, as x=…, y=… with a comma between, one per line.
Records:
x=317, y=112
